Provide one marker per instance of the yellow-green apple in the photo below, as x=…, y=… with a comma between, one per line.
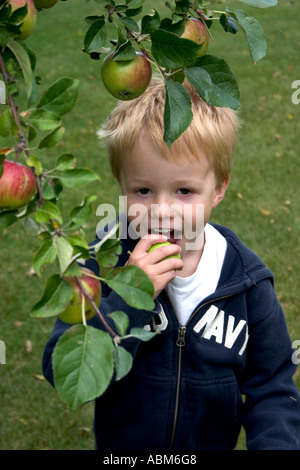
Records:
x=158, y=245
x=196, y=31
x=28, y=22
x=126, y=79
x=73, y=312
x=45, y=3
x=17, y=185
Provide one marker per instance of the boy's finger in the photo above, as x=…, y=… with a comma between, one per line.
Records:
x=163, y=252
x=148, y=240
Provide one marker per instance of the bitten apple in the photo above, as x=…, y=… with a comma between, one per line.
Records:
x=17, y=185
x=196, y=31
x=126, y=79
x=73, y=313
x=158, y=245
x=28, y=22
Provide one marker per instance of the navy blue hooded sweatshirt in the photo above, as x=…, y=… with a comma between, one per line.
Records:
x=193, y=387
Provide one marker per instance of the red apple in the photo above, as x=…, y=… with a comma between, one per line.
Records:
x=28, y=23
x=196, y=31
x=45, y=3
x=17, y=185
x=73, y=313
x=126, y=79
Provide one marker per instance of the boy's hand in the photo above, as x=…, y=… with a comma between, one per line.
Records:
x=159, y=270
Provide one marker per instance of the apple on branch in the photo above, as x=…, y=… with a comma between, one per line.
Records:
x=17, y=185
x=73, y=313
x=28, y=22
x=126, y=79
x=195, y=30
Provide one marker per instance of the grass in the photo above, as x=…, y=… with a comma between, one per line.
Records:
x=261, y=204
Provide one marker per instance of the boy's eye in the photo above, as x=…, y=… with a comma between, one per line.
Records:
x=143, y=191
x=184, y=191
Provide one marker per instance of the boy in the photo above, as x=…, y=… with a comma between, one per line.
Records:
x=223, y=333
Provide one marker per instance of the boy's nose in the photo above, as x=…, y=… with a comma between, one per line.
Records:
x=162, y=211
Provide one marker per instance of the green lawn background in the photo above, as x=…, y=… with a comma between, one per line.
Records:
x=261, y=205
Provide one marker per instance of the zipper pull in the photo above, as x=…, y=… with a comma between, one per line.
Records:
x=181, y=336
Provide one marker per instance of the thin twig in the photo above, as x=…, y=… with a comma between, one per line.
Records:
x=112, y=333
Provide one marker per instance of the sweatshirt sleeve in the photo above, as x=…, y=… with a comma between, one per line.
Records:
x=271, y=415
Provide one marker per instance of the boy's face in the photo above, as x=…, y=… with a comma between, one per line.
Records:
x=175, y=199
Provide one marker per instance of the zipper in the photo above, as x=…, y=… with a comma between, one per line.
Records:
x=180, y=342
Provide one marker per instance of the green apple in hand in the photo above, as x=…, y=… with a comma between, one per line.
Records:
x=73, y=313
x=158, y=245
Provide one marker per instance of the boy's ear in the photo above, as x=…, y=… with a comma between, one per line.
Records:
x=220, y=192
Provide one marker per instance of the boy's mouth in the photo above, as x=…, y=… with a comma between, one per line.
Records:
x=173, y=235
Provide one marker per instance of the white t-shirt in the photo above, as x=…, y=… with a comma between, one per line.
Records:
x=185, y=293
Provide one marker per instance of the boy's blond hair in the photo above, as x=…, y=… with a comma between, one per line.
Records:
x=213, y=130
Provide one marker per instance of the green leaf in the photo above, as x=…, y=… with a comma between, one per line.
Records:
x=173, y=52
x=121, y=321
x=133, y=11
x=178, y=111
x=73, y=269
x=53, y=138
x=150, y=23
x=7, y=219
x=31, y=227
x=130, y=23
x=134, y=4
x=142, y=334
x=125, y=52
x=254, y=34
x=80, y=214
x=133, y=285
x=260, y=3
x=18, y=15
x=57, y=294
x=214, y=81
x=23, y=60
x=228, y=24
x=95, y=36
x=46, y=254
x=77, y=240
x=35, y=163
x=109, y=252
x=48, y=211
x=64, y=252
x=77, y=177
x=45, y=120
x=67, y=161
x=82, y=364
x=5, y=122
x=51, y=188
x=123, y=362
x=61, y=96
